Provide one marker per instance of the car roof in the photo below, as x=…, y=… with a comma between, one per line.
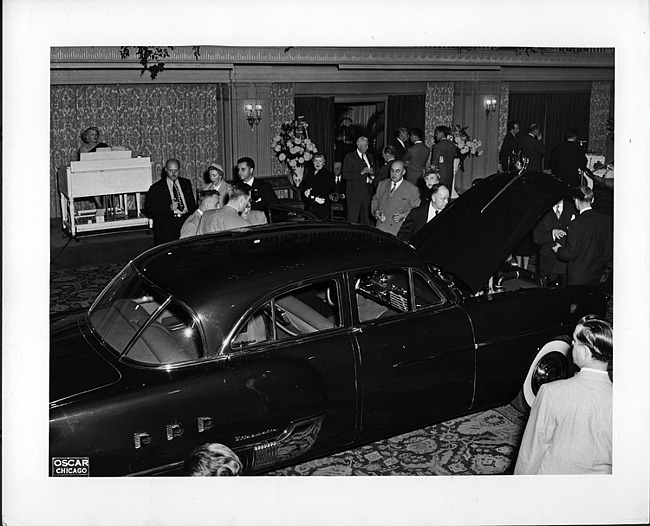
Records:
x=227, y=271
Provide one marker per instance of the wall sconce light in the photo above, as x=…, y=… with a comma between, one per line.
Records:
x=490, y=106
x=255, y=117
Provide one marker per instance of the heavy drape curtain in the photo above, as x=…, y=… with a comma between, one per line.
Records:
x=600, y=109
x=404, y=111
x=439, y=108
x=281, y=111
x=183, y=121
x=319, y=114
x=555, y=112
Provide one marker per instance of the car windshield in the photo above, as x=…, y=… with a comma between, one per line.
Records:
x=138, y=322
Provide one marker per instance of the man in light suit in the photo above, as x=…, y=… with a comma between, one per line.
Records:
x=428, y=209
x=569, y=430
x=262, y=193
x=443, y=154
x=394, y=199
x=358, y=172
x=208, y=200
x=416, y=157
x=168, y=203
x=589, y=245
x=227, y=218
x=552, y=229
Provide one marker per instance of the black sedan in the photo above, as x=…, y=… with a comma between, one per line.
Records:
x=288, y=342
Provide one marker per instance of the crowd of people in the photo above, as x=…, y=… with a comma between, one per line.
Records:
x=569, y=430
x=172, y=207
x=398, y=196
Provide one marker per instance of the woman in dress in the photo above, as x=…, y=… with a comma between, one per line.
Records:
x=431, y=178
x=214, y=180
x=90, y=139
x=317, y=187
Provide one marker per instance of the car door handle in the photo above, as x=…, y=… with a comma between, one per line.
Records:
x=357, y=330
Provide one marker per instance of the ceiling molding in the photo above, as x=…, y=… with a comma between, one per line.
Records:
x=218, y=56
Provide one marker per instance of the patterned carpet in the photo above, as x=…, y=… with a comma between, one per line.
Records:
x=485, y=443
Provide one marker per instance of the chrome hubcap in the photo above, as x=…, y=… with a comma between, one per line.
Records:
x=551, y=367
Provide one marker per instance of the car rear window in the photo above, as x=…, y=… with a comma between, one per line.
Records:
x=139, y=323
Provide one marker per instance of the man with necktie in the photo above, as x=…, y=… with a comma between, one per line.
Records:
x=428, y=209
x=552, y=229
x=394, y=199
x=339, y=205
x=358, y=173
x=589, y=244
x=169, y=202
x=262, y=193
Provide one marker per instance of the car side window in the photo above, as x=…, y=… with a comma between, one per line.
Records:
x=305, y=310
x=424, y=292
x=382, y=293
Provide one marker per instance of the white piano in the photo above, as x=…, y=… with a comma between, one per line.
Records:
x=117, y=178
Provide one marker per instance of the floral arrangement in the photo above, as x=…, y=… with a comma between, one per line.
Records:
x=292, y=145
x=465, y=145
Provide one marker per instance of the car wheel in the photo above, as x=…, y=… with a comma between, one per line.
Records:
x=550, y=364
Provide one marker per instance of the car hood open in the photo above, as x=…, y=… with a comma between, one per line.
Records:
x=478, y=231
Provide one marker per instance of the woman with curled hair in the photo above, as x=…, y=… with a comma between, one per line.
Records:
x=213, y=460
x=90, y=139
x=569, y=430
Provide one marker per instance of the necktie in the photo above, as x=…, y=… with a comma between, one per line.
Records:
x=392, y=188
x=363, y=158
x=178, y=197
x=557, y=212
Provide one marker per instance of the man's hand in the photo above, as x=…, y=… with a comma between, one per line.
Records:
x=308, y=192
x=558, y=234
x=319, y=200
x=557, y=245
x=399, y=216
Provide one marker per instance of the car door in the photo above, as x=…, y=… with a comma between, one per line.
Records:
x=416, y=347
x=292, y=375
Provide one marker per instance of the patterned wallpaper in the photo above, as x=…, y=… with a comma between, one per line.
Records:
x=282, y=110
x=601, y=93
x=160, y=121
x=504, y=97
x=439, y=108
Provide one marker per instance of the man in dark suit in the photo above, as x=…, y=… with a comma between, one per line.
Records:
x=443, y=154
x=510, y=147
x=569, y=157
x=339, y=202
x=532, y=147
x=401, y=143
x=262, y=193
x=416, y=157
x=428, y=209
x=589, y=244
x=388, y=153
x=168, y=203
x=358, y=172
x=552, y=229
